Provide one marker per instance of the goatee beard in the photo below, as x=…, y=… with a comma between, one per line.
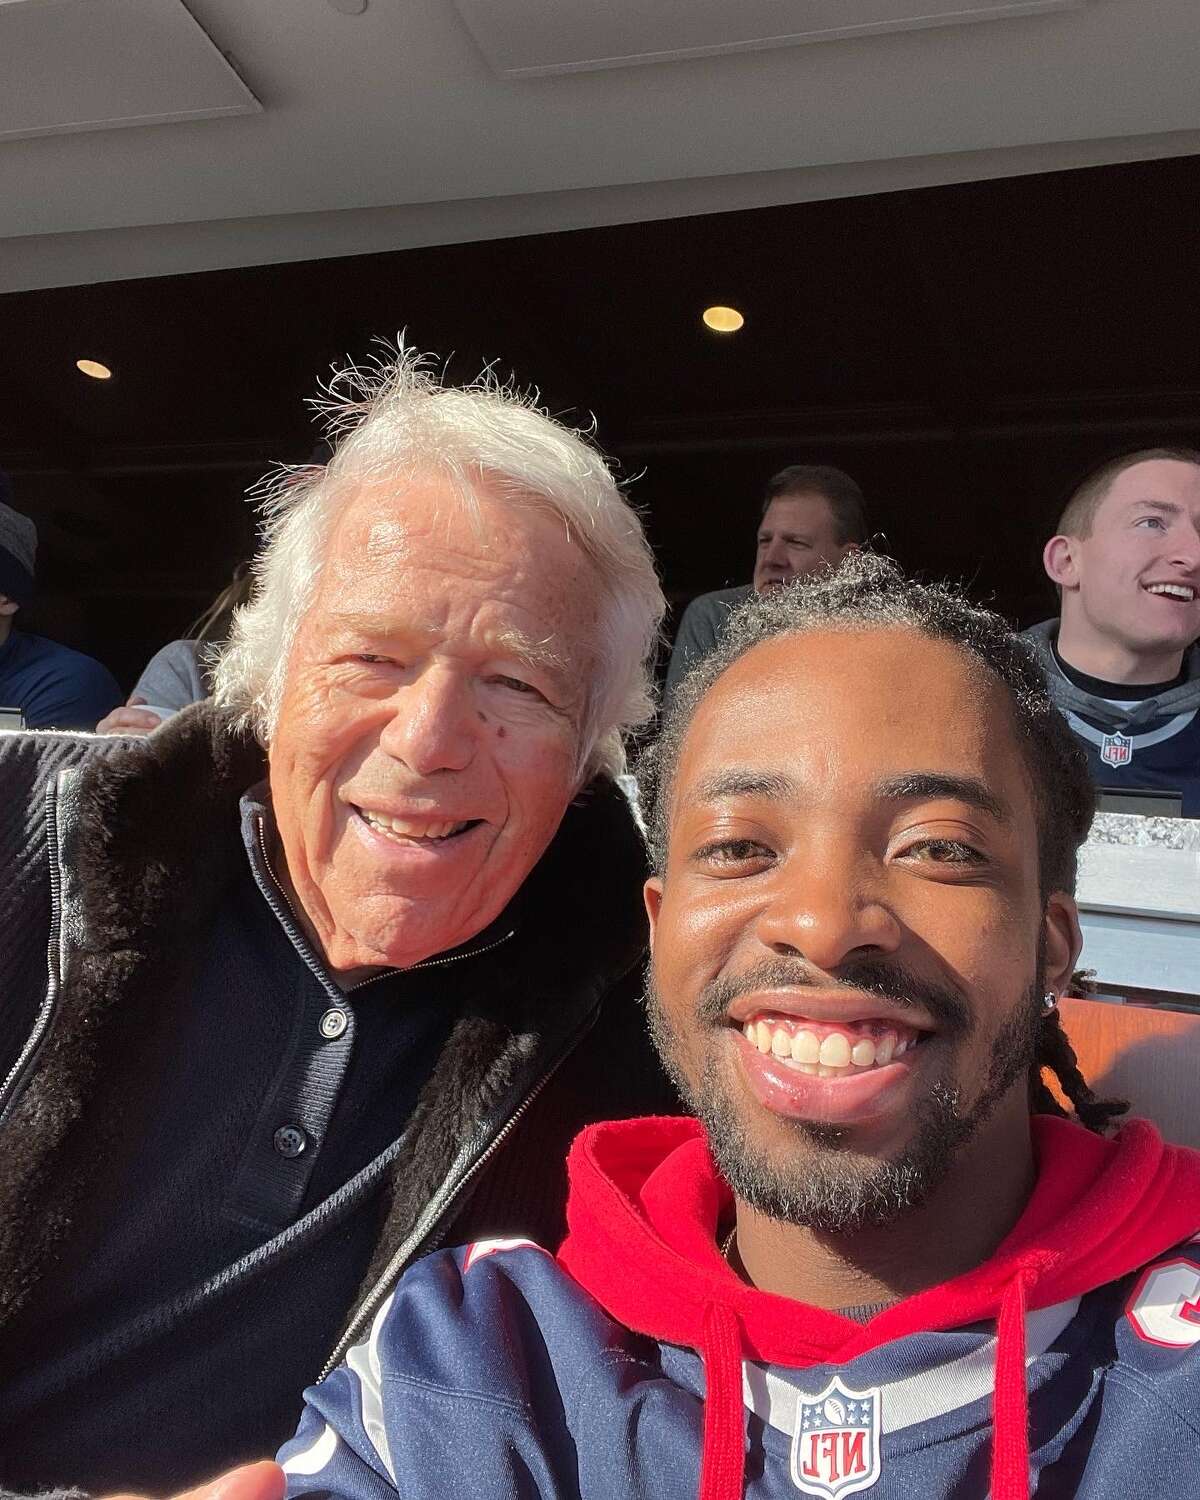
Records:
x=828, y=1187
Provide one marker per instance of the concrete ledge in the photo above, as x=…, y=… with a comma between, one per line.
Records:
x=1139, y=904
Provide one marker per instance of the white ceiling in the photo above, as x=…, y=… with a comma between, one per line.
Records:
x=75, y=65
x=389, y=128
x=528, y=38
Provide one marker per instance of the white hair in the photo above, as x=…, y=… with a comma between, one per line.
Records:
x=393, y=419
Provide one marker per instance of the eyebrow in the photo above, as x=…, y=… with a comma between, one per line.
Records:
x=907, y=787
x=927, y=785
x=510, y=642
x=1164, y=507
x=746, y=783
x=536, y=653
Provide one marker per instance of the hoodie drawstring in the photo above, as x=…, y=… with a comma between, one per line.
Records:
x=1010, y=1412
x=721, y=1463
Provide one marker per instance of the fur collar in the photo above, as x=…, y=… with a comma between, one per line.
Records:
x=154, y=843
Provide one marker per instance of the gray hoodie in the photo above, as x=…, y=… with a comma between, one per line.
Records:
x=1154, y=743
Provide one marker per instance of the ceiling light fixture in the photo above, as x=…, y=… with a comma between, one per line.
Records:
x=723, y=319
x=94, y=368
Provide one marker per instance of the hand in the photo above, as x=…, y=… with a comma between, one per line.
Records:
x=262, y=1481
x=128, y=720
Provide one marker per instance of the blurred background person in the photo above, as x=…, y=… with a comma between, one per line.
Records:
x=1121, y=659
x=812, y=515
x=53, y=686
x=182, y=671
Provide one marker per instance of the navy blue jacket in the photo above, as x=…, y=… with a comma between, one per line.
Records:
x=54, y=686
x=636, y=1364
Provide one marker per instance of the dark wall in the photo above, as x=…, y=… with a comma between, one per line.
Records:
x=966, y=352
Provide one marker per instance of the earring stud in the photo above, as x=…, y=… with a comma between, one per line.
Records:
x=1049, y=1002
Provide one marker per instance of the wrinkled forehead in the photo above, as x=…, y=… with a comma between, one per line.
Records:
x=387, y=516
x=837, y=712
x=433, y=519
x=424, y=556
x=807, y=508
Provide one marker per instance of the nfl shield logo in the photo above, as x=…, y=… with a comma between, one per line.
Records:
x=1116, y=750
x=835, y=1450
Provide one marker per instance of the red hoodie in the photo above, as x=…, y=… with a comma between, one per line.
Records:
x=646, y=1201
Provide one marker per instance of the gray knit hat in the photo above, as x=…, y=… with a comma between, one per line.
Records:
x=18, y=547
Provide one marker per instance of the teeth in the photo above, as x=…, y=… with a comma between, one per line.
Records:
x=831, y=1056
x=1172, y=590
x=805, y=1047
x=411, y=828
x=862, y=1054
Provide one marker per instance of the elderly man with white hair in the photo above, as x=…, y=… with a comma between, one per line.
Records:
x=329, y=971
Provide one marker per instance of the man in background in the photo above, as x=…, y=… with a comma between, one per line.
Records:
x=1121, y=659
x=812, y=515
x=52, y=686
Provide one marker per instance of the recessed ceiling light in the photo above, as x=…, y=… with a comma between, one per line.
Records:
x=349, y=7
x=723, y=319
x=94, y=368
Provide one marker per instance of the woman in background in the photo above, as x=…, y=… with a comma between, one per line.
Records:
x=181, y=673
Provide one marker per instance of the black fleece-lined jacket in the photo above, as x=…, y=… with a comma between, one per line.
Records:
x=119, y=861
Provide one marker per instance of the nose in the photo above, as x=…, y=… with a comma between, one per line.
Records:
x=433, y=724
x=1186, y=552
x=827, y=911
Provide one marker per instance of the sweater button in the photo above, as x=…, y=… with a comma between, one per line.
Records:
x=333, y=1023
x=290, y=1140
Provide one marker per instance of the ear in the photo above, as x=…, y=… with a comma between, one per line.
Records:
x=1063, y=941
x=1060, y=560
x=652, y=894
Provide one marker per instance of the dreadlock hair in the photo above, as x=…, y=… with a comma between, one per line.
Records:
x=1055, y=1055
x=869, y=592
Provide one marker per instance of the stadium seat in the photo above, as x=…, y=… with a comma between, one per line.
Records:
x=1146, y=1055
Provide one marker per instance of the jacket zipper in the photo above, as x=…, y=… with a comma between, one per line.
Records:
x=370, y=1304
x=9, y=1091
x=293, y=930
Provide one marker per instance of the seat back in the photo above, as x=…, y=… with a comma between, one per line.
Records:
x=1149, y=1056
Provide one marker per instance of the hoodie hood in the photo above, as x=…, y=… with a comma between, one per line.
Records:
x=1071, y=699
x=646, y=1202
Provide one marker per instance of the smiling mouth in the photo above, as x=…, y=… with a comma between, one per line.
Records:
x=1181, y=591
x=823, y=1050
x=416, y=830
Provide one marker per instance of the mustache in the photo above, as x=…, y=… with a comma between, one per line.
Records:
x=882, y=978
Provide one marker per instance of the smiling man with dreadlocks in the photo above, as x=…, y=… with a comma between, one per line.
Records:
x=879, y=1261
